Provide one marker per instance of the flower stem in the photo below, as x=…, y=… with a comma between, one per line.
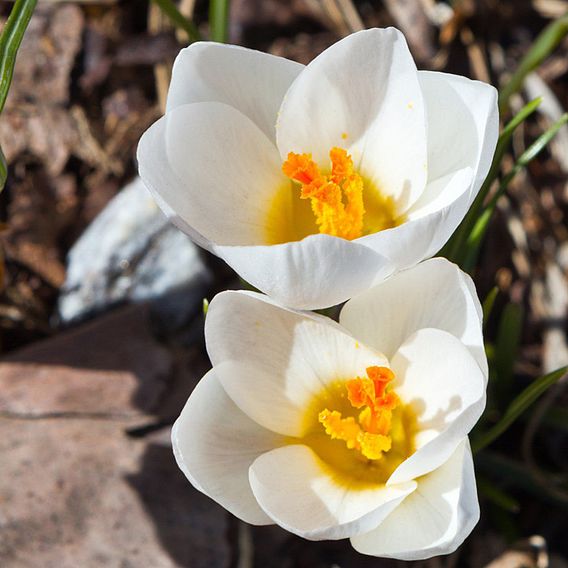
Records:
x=219, y=20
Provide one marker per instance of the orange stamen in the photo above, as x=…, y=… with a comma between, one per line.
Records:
x=371, y=434
x=336, y=199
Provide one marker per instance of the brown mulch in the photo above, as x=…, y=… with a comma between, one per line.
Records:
x=90, y=78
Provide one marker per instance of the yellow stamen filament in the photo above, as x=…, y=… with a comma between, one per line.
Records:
x=337, y=198
x=370, y=434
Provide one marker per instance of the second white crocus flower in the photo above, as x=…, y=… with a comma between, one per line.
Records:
x=353, y=430
x=315, y=183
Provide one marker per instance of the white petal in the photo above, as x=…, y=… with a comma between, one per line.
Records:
x=250, y=81
x=435, y=293
x=463, y=125
x=428, y=228
x=215, y=444
x=294, y=489
x=439, y=377
x=434, y=520
x=322, y=271
x=212, y=166
x=273, y=361
x=317, y=272
x=443, y=192
x=362, y=94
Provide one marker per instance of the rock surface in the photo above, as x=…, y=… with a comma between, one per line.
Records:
x=111, y=366
x=131, y=253
x=87, y=474
x=80, y=492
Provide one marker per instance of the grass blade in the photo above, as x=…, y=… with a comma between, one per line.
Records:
x=477, y=234
x=488, y=304
x=516, y=474
x=178, y=19
x=544, y=45
x=10, y=41
x=454, y=249
x=534, y=391
x=3, y=170
x=541, y=142
x=219, y=20
x=556, y=417
x=497, y=496
x=503, y=143
x=507, y=349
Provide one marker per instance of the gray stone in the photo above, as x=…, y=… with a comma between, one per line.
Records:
x=131, y=253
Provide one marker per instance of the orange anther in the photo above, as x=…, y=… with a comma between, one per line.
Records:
x=336, y=199
x=301, y=168
x=371, y=434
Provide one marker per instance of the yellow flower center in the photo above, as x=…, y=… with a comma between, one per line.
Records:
x=370, y=433
x=328, y=193
x=336, y=201
x=360, y=429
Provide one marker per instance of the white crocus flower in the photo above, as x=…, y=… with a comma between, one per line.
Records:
x=357, y=429
x=315, y=183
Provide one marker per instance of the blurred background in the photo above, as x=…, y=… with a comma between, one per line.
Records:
x=101, y=319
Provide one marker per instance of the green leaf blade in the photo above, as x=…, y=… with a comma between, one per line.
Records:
x=521, y=403
x=469, y=252
x=178, y=19
x=507, y=348
x=10, y=41
x=488, y=304
x=546, y=42
x=454, y=249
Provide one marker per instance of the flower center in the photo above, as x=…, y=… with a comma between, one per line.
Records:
x=370, y=433
x=337, y=198
x=337, y=201
x=360, y=429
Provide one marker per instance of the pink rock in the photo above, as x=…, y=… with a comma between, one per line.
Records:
x=111, y=366
x=77, y=492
